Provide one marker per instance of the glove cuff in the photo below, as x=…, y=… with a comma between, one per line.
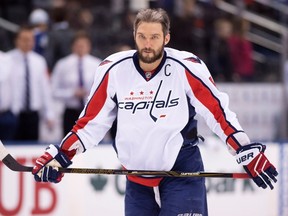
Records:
x=63, y=160
x=258, y=146
x=53, y=150
x=58, y=155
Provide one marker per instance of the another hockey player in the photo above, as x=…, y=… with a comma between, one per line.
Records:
x=155, y=93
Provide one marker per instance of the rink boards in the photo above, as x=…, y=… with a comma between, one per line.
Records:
x=83, y=194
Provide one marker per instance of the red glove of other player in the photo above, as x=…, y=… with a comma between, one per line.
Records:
x=257, y=165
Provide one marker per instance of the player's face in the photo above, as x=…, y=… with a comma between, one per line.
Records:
x=150, y=42
x=25, y=41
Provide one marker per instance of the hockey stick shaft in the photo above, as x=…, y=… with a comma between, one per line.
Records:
x=12, y=164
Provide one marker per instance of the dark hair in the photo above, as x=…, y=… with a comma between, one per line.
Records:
x=154, y=16
x=22, y=29
x=81, y=35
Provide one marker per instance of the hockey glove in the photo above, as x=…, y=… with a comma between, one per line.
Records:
x=255, y=163
x=46, y=166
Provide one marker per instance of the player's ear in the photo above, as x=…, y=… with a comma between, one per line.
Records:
x=167, y=39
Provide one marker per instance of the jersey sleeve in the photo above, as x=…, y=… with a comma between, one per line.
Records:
x=96, y=118
x=213, y=106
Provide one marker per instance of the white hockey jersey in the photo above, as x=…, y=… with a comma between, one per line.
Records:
x=155, y=117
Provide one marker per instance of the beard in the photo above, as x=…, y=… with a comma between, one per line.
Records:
x=156, y=54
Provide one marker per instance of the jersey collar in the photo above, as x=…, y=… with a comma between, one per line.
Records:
x=141, y=72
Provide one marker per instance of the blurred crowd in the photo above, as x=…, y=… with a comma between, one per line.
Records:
x=196, y=26
x=60, y=43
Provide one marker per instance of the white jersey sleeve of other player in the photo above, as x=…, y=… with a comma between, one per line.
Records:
x=152, y=114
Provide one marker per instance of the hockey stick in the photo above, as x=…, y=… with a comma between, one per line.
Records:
x=12, y=164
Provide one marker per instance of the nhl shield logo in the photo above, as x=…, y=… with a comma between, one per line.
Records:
x=148, y=75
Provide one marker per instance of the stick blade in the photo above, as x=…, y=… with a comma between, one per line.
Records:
x=10, y=162
x=3, y=151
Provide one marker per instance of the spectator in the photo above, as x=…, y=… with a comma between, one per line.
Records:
x=124, y=30
x=39, y=19
x=100, y=37
x=187, y=27
x=219, y=56
x=59, y=37
x=33, y=92
x=241, y=51
x=8, y=119
x=72, y=79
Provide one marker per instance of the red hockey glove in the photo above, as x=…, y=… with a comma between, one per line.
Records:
x=46, y=166
x=257, y=165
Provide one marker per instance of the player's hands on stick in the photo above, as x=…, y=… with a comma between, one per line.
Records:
x=257, y=165
x=46, y=166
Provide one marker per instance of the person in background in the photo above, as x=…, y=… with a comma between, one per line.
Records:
x=39, y=19
x=72, y=79
x=60, y=36
x=33, y=96
x=188, y=15
x=8, y=120
x=219, y=55
x=155, y=93
x=241, y=52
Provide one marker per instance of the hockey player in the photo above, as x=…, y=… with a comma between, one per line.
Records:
x=155, y=93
